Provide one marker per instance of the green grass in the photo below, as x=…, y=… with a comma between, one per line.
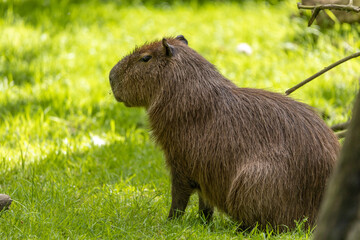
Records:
x=80, y=165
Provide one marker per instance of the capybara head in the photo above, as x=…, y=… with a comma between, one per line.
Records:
x=259, y=156
x=136, y=79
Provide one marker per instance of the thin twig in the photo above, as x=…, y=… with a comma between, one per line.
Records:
x=321, y=72
x=340, y=126
x=313, y=16
x=341, y=134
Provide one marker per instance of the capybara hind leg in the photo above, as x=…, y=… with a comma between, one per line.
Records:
x=205, y=210
x=254, y=194
x=180, y=194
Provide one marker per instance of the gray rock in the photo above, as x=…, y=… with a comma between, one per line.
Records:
x=244, y=48
x=5, y=201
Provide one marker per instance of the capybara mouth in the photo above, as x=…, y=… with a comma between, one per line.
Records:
x=114, y=93
x=119, y=99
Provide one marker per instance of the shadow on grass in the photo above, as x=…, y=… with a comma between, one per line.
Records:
x=22, y=61
x=30, y=105
x=31, y=10
x=62, y=106
x=20, y=67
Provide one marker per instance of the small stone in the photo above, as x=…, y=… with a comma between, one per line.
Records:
x=289, y=46
x=244, y=48
x=5, y=201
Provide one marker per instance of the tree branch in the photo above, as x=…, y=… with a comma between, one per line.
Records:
x=349, y=8
x=321, y=72
x=316, y=9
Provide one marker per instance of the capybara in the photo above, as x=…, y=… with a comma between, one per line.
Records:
x=259, y=156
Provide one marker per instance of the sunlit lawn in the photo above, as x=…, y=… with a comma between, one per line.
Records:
x=80, y=165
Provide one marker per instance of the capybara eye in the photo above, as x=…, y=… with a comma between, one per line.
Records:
x=146, y=58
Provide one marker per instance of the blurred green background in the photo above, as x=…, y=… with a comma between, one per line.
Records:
x=78, y=164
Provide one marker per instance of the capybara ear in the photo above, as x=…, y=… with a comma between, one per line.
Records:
x=182, y=38
x=169, y=49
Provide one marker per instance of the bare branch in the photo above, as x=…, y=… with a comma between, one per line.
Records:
x=316, y=9
x=321, y=72
x=349, y=8
x=313, y=16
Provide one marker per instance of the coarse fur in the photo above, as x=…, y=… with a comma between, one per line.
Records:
x=259, y=156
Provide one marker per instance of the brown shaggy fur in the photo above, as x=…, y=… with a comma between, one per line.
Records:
x=258, y=156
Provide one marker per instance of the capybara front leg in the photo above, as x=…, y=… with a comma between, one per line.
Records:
x=205, y=210
x=180, y=193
